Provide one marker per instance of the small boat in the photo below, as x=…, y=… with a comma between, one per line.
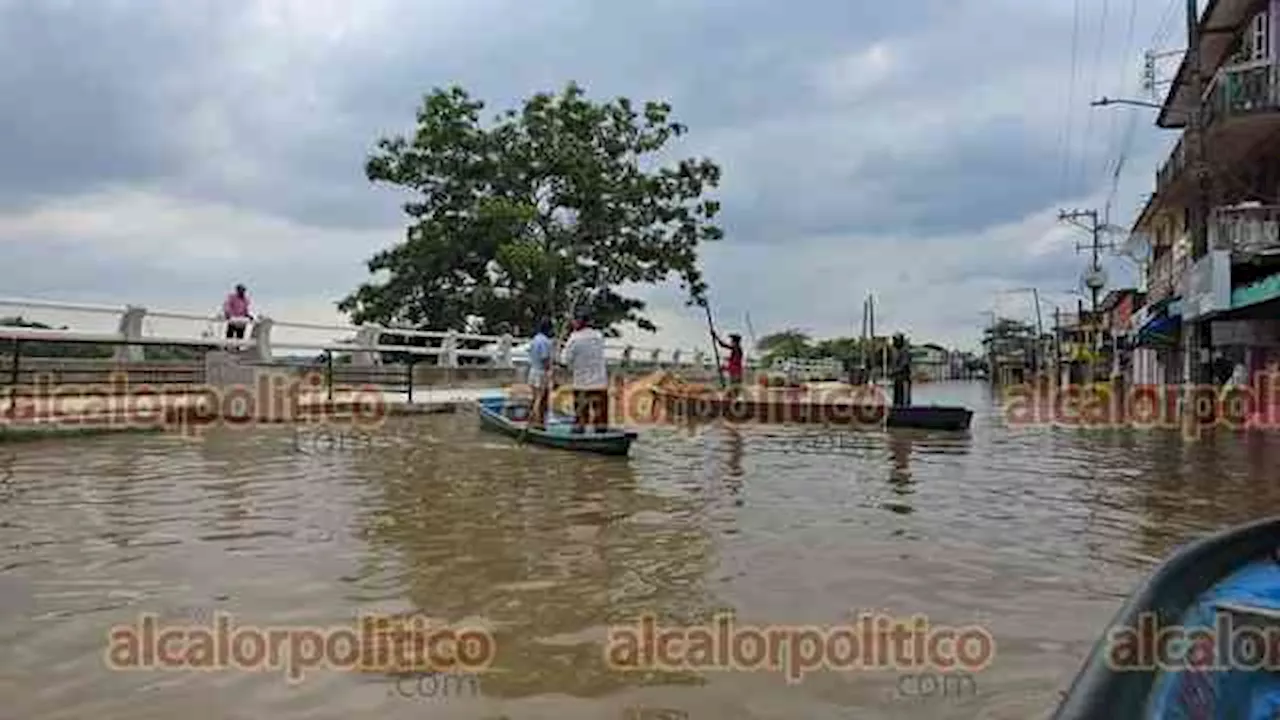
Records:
x=786, y=408
x=930, y=417
x=1210, y=597
x=500, y=414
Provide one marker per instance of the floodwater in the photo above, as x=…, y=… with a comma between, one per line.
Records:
x=1037, y=534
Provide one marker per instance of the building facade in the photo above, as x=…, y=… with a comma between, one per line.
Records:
x=930, y=363
x=1212, y=305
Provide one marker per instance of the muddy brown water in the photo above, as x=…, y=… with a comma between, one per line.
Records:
x=1037, y=534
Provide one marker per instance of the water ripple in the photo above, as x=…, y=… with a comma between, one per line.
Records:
x=1037, y=532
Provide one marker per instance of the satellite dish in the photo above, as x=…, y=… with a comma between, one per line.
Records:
x=1095, y=278
x=1137, y=246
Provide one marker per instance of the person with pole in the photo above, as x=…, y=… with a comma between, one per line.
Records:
x=733, y=365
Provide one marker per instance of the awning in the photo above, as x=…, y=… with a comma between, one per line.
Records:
x=1268, y=288
x=1161, y=330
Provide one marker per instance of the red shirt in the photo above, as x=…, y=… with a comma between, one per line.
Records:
x=735, y=362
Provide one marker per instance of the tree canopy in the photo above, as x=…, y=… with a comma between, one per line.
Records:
x=794, y=343
x=554, y=205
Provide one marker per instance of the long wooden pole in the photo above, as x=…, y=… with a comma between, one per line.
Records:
x=715, y=346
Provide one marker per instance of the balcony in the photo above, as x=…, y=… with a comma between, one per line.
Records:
x=1242, y=89
x=1246, y=230
x=1164, y=278
x=1241, y=109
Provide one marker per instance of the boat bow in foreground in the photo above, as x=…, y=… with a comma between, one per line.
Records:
x=1219, y=599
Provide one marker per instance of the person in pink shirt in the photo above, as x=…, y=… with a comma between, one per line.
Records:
x=236, y=311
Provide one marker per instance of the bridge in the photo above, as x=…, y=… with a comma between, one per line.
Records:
x=142, y=342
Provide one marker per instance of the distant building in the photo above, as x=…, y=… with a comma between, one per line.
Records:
x=930, y=362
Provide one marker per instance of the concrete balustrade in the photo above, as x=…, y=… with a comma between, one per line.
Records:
x=130, y=340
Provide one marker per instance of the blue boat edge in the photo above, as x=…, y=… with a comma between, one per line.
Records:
x=1170, y=594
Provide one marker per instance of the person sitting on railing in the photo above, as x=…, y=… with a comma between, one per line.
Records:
x=236, y=312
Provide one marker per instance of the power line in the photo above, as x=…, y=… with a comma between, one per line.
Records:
x=1093, y=92
x=1071, y=98
x=1131, y=114
x=1158, y=36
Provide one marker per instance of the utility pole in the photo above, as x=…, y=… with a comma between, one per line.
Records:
x=1093, y=279
x=1057, y=346
x=1035, y=297
x=1194, y=336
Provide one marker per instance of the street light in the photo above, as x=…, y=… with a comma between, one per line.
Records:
x=1119, y=101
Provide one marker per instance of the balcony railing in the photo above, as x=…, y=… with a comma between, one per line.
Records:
x=1235, y=90
x=1246, y=230
x=1243, y=88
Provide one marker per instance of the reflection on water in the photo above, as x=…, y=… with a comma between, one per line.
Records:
x=1038, y=533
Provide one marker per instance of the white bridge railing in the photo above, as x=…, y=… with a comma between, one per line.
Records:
x=809, y=368
x=131, y=338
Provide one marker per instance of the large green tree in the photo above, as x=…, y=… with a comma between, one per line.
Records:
x=556, y=204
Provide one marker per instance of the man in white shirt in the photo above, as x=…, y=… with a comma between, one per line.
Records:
x=584, y=354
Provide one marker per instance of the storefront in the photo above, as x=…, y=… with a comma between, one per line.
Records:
x=1156, y=344
x=1206, y=296
x=1249, y=333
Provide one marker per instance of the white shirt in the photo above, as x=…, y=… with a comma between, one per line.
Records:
x=584, y=353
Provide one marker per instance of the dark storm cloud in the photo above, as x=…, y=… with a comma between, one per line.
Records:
x=90, y=91
x=874, y=136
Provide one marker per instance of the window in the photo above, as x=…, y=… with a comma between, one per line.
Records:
x=1259, y=41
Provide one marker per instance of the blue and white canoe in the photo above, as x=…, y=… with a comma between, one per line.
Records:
x=503, y=415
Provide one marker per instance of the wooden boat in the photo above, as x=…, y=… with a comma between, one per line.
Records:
x=508, y=417
x=1223, y=584
x=785, y=408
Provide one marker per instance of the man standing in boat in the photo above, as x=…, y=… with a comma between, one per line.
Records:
x=733, y=367
x=584, y=354
x=540, y=351
x=901, y=371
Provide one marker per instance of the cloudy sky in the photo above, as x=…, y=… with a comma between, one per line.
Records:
x=157, y=152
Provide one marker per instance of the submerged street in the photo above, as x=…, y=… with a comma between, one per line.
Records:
x=1037, y=534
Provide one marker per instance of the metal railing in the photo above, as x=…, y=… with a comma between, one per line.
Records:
x=26, y=375
x=1241, y=89
x=1235, y=90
